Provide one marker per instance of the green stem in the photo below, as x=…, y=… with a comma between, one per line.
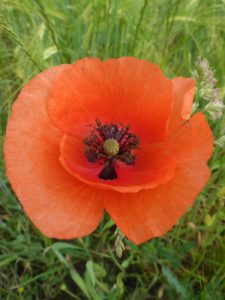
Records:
x=16, y=38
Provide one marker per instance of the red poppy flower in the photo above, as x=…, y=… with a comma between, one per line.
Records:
x=114, y=135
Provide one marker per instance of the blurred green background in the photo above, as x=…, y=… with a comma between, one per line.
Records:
x=189, y=261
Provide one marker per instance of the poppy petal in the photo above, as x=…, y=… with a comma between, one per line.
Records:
x=153, y=212
x=183, y=90
x=57, y=203
x=153, y=166
x=126, y=90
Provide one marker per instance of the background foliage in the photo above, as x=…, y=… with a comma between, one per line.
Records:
x=189, y=261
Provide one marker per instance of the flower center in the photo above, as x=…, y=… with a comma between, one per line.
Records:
x=111, y=147
x=110, y=143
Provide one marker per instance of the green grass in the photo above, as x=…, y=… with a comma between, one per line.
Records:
x=189, y=261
